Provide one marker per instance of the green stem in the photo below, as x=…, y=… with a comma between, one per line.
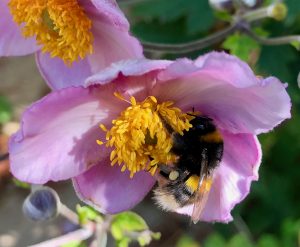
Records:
x=190, y=46
x=272, y=41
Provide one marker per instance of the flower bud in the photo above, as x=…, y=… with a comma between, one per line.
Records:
x=278, y=11
x=42, y=204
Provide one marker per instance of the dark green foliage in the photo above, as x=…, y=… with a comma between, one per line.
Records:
x=194, y=18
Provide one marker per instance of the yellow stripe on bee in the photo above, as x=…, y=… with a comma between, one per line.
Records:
x=192, y=183
x=212, y=137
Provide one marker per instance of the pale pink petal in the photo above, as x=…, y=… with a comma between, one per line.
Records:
x=131, y=77
x=12, y=43
x=111, y=45
x=127, y=68
x=58, y=134
x=111, y=191
x=178, y=69
x=110, y=10
x=232, y=179
x=58, y=75
x=239, y=109
x=227, y=68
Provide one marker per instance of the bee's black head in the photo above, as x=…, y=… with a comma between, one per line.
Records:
x=202, y=125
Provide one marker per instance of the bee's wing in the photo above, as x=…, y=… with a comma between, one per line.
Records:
x=203, y=189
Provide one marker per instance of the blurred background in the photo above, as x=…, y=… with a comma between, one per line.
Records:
x=269, y=216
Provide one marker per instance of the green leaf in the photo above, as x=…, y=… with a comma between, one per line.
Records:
x=215, y=240
x=239, y=240
x=21, y=184
x=127, y=222
x=200, y=16
x=86, y=213
x=187, y=241
x=128, y=226
x=223, y=15
x=268, y=241
x=5, y=110
x=293, y=11
x=156, y=235
x=124, y=242
x=296, y=44
x=290, y=232
x=173, y=32
x=197, y=14
x=277, y=61
x=163, y=10
x=261, y=32
x=241, y=45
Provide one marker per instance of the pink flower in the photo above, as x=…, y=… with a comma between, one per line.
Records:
x=72, y=39
x=58, y=134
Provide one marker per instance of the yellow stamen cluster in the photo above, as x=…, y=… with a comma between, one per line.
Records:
x=61, y=27
x=139, y=137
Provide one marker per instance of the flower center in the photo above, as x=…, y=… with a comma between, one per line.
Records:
x=61, y=27
x=139, y=138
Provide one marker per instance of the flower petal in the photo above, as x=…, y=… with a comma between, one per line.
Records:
x=111, y=12
x=227, y=68
x=111, y=45
x=127, y=68
x=58, y=75
x=177, y=69
x=132, y=77
x=12, y=43
x=232, y=179
x=238, y=108
x=57, y=139
x=109, y=190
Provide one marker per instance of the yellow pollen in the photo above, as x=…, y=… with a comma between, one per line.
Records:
x=61, y=27
x=139, y=138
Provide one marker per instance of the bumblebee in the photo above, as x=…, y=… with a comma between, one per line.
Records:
x=188, y=181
